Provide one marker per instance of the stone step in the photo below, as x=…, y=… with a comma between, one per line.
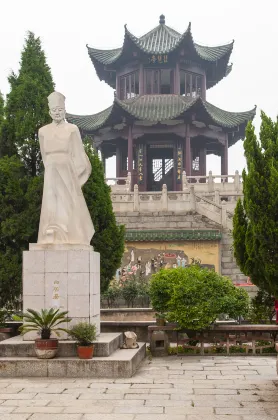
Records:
x=120, y=364
x=105, y=345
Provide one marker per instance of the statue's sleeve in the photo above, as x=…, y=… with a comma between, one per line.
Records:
x=41, y=145
x=81, y=161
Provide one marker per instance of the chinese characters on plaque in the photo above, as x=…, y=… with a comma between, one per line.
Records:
x=56, y=294
x=140, y=164
x=179, y=164
x=158, y=59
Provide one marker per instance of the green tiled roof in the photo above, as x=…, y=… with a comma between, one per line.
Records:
x=162, y=40
x=157, y=108
x=172, y=235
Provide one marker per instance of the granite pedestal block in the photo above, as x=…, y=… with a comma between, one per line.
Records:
x=66, y=277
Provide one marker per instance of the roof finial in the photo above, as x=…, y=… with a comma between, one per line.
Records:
x=162, y=19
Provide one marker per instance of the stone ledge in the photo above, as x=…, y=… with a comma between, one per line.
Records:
x=121, y=364
x=106, y=344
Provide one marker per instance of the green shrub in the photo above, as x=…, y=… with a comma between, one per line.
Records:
x=194, y=297
x=130, y=289
x=112, y=293
x=262, y=308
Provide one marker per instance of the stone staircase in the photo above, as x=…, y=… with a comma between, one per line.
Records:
x=17, y=359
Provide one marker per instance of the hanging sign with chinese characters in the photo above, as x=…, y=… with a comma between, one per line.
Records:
x=179, y=163
x=140, y=164
x=158, y=59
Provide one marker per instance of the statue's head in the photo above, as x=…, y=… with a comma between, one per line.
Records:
x=56, y=103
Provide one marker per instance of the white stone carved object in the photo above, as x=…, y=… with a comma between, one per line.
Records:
x=130, y=340
x=65, y=218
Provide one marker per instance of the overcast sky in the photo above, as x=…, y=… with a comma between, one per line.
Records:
x=66, y=26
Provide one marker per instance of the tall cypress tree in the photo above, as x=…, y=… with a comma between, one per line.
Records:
x=21, y=182
x=1, y=110
x=255, y=229
x=108, y=239
x=26, y=106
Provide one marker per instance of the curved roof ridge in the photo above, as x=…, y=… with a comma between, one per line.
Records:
x=217, y=114
x=168, y=28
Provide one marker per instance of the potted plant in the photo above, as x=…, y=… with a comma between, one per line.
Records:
x=5, y=331
x=84, y=334
x=45, y=323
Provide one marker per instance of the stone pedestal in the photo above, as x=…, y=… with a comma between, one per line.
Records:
x=65, y=277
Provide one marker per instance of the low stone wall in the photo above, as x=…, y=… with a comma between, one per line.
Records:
x=139, y=327
x=127, y=314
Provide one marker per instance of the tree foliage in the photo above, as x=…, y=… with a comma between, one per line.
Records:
x=194, y=296
x=262, y=308
x=26, y=107
x=19, y=217
x=255, y=229
x=108, y=239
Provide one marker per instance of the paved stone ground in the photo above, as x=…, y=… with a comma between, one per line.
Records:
x=173, y=388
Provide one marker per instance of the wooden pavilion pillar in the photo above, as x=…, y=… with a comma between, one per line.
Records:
x=141, y=80
x=204, y=87
x=177, y=79
x=203, y=161
x=118, y=161
x=224, y=157
x=130, y=153
x=103, y=159
x=187, y=151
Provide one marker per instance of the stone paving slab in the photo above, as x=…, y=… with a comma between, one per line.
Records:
x=173, y=388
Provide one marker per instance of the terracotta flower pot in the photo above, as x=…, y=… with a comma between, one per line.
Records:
x=85, y=352
x=46, y=349
x=6, y=330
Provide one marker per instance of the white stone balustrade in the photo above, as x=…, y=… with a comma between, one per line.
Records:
x=213, y=196
x=121, y=184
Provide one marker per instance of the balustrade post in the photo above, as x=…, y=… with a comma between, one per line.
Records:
x=184, y=181
x=237, y=181
x=192, y=198
x=128, y=182
x=210, y=182
x=136, y=198
x=224, y=214
x=217, y=196
x=164, y=198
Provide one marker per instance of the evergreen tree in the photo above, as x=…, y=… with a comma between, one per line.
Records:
x=108, y=239
x=1, y=110
x=20, y=198
x=26, y=106
x=255, y=229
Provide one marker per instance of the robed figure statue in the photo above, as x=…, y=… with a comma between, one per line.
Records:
x=65, y=218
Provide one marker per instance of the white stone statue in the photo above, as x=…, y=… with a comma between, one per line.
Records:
x=65, y=218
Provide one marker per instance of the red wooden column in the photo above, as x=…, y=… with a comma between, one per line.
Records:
x=187, y=148
x=204, y=86
x=103, y=161
x=203, y=161
x=130, y=152
x=224, y=158
x=177, y=79
x=118, y=162
x=141, y=79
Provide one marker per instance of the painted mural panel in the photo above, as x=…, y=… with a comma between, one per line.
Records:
x=147, y=258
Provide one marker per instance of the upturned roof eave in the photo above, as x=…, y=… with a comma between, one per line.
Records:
x=122, y=108
x=117, y=53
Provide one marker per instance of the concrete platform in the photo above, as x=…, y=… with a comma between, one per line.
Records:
x=120, y=364
x=106, y=344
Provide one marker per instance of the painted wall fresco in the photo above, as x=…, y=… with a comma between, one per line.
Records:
x=146, y=258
